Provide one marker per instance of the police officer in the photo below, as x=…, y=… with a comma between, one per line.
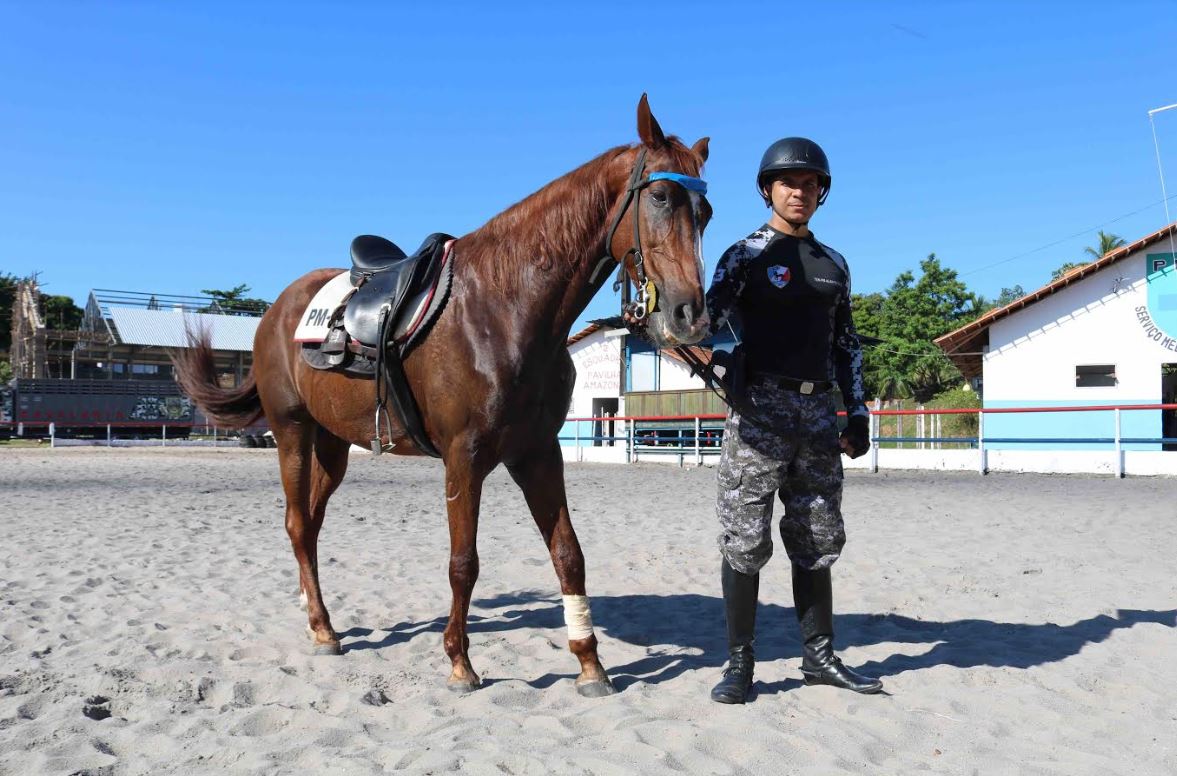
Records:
x=789, y=295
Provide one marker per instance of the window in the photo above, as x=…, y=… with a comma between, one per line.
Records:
x=1095, y=376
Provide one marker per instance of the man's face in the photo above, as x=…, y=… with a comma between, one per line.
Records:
x=794, y=195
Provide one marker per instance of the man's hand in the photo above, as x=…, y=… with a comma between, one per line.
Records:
x=633, y=324
x=855, y=439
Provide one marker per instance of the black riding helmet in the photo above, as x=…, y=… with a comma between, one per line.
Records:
x=795, y=153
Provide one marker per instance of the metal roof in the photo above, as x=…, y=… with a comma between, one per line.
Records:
x=168, y=328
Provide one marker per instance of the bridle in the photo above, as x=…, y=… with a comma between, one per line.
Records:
x=646, y=297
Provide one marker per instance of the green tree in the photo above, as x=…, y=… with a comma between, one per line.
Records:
x=60, y=312
x=1064, y=269
x=910, y=315
x=235, y=302
x=1008, y=295
x=7, y=298
x=1107, y=244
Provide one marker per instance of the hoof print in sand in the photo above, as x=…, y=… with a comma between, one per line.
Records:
x=96, y=707
x=375, y=697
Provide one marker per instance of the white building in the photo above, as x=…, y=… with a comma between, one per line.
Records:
x=609, y=364
x=1104, y=334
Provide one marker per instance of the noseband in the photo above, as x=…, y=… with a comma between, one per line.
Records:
x=647, y=295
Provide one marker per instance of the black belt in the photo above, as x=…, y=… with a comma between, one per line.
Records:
x=806, y=387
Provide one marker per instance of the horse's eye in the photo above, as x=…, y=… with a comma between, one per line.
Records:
x=659, y=197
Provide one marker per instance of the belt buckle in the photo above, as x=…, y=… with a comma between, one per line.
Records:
x=806, y=387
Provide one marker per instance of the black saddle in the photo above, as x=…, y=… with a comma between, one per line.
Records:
x=370, y=253
x=384, y=275
x=386, y=281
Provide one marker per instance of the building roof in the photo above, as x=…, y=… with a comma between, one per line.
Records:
x=963, y=346
x=587, y=331
x=167, y=328
x=163, y=320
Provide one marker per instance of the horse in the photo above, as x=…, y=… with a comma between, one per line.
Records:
x=493, y=377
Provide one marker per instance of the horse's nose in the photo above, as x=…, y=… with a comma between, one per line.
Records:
x=689, y=317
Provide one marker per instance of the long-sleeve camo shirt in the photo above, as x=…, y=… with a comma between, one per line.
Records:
x=789, y=300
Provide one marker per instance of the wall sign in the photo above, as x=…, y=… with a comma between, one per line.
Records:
x=1158, y=318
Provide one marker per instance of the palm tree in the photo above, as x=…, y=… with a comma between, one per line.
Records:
x=1107, y=244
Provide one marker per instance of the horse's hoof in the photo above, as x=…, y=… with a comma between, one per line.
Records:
x=462, y=686
x=598, y=688
x=328, y=648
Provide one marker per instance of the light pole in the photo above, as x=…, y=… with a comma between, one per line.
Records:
x=1161, y=172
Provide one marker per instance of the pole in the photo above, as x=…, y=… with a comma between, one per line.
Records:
x=876, y=427
x=1119, y=447
x=1161, y=171
x=981, y=468
x=698, y=441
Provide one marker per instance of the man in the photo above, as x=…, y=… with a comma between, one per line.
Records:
x=790, y=295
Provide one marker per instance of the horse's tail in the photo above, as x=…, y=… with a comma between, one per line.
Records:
x=196, y=372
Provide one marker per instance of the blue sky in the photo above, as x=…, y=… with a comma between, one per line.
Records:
x=171, y=147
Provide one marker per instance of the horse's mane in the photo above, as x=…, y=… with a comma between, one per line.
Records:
x=548, y=229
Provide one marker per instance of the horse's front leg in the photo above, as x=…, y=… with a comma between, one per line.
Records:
x=463, y=492
x=541, y=477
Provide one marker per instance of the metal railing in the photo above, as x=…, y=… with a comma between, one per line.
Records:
x=686, y=435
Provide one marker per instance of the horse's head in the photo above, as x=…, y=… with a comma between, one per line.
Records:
x=659, y=237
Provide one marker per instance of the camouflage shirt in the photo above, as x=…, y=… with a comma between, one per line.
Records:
x=788, y=300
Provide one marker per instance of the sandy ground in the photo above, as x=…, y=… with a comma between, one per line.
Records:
x=149, y=624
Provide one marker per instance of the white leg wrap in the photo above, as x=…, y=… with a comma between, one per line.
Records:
x=578, y=617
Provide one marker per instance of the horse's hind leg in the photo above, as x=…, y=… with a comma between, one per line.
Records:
x=313, y=464
x=542, y=479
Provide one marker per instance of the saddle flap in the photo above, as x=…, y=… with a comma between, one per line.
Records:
x=405, y=286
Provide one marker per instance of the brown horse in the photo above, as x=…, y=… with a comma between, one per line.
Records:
x=493, y=378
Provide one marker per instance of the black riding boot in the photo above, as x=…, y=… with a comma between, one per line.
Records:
x=739, y=601
x=815, y=611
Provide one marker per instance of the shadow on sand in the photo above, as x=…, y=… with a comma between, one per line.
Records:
x=685, y=632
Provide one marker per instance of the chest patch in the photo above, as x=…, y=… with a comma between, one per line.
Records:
x=779, y=276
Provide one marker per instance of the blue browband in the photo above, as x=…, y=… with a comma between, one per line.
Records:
x=686, y=181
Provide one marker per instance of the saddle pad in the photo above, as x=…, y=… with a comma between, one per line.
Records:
x=313, y=326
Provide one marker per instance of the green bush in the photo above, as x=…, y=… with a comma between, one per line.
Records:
x=957, y=398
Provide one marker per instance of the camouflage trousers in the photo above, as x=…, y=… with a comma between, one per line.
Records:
x=797, y=458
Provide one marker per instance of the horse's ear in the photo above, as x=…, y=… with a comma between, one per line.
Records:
x=700, y=147
x=648, y=129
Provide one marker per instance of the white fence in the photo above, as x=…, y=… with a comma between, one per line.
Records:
x=689, y=440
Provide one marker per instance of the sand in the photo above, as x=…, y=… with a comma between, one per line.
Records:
x=149, y=624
